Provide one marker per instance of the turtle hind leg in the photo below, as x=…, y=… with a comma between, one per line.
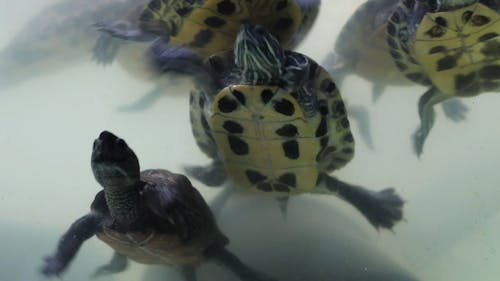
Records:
x=283, y=204
x=427, y=116
x=211, y=175
x=118, y=263
x=105, y=49
x=381, y=208
x=455, y=110
x=230, y=261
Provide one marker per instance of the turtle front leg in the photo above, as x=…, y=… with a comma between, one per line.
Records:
x=124, y=30
x=118, y=263
x=230, y=261
x=81, y=230
x=105, y=49
x=427, y=116
x=381, y=209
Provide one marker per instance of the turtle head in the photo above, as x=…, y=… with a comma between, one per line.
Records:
x=258, y=55
x=113, y=163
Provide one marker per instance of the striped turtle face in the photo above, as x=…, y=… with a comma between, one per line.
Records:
x=258, y=55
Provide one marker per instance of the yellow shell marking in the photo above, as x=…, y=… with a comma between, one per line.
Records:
x=450, y=45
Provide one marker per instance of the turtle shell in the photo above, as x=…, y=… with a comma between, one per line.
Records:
x=151, y=247
x=265, y=140
x=458, y=51
x=210, y=26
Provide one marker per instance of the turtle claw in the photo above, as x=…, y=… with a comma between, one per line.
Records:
x=455, y=110
x=105, y=50
x=418, y=142
x=386, y=209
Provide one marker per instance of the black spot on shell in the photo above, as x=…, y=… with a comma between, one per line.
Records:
x=232, y=127
x=391, y=29
x=322, y=128
x=327, y=85
x=392, y=43
x=349, y=138
x=146, y=16
x=395, y=54
x=265, y=187
x=437, y=49
x=255, y=177
x=287, y=130
x=446, y=63
x=324, y=154
x=323, y=109
x=281, y=5
x=490, y=72
x=491, y=49
x=395, y=16
x=283, y=23
x=227, y=105
x=345, y=123
x=214, y=22
x=436, y=31
x=490, y=86
x=204, y=123
x=441, y=21
x=288, y=179
x=155, y=5
x=237, y=145
x=466, y=16
x=291, y=149
x=415, y=76
x=401, y=65
x=239, y=96
x=284, y=107
x=488, y=36
x=463, y=82
x=201, y=102
x=184, y=11
x=281, y=187
x=324, y=141
x=480, y=20
x=226, y=7
x=202, y=38
x=266, y=95
x=347, y=150
x=338, y=109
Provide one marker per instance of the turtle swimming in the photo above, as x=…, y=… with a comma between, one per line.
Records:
x=451, y=46
x=204, y=27
x=273, y=121
x=152, y=217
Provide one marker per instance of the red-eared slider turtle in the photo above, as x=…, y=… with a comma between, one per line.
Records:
x=205, y=27
x=152, y=217
x=453, y=46
x=59, y=36
x=274, y=122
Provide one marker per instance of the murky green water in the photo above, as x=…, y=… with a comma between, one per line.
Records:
x=49, y=121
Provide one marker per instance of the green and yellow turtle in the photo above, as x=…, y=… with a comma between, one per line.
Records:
x=205, y=27
x=452, y=46
x=152, y=217
x=273, y=121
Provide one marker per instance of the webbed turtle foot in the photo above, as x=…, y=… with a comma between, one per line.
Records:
x=105, y=49
x=52, y=266
x=117, y=264
x=212, y=175
x=381, y=208
x=123, y=30
x=455, y=110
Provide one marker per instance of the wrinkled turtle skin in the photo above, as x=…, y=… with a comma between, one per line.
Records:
x=273, y=122
x=151, y=217
x=450, y=46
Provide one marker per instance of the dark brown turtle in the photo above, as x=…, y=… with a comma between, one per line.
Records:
x=152, y=217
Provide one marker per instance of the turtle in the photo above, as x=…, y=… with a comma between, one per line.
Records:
x=59, y=36
x=451, y=46
x=204, y=27
x=273, y=122
x=152, y=216
x=361, y=48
